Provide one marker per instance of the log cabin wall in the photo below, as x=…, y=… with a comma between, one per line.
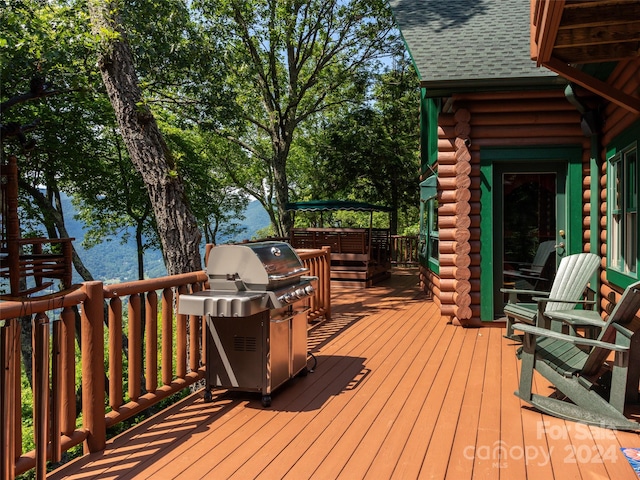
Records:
x=474, y=121
x=626, y=77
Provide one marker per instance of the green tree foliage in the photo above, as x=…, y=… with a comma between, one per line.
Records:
x=370, y=152
x=54, y=99
x=217, y=203
x=239, y=90
x=50, y=110
x=286, y=62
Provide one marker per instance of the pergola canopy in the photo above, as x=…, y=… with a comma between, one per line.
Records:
x=334, y=205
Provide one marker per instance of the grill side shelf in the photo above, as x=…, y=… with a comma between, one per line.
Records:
x=208, y=302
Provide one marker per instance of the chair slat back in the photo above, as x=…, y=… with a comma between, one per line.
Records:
x=542, y=255
x=571, y=280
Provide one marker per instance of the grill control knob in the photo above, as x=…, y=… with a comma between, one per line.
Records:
x=309, y=289
x=286, y=298
x=299, y=293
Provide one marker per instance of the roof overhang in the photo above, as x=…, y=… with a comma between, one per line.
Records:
x=448, y=87
x=566, y=35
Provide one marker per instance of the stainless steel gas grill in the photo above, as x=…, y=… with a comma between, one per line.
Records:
x=256, y=315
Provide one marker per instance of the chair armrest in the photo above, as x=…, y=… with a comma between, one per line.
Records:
x=583, y=322
x=543, y=332
x=534, y=272
x=576, y=302
x=524, y=275
x=623, y=330
x=523, y=292
x=518, y=263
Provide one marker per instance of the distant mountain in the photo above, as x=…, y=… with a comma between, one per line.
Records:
x=113, y=261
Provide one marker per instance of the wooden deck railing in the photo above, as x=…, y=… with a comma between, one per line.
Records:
x=319, y=264
x=33, y=260
x=54, y=321
x=162, y=359
x=404, y=250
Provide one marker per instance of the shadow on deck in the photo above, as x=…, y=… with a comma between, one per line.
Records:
x=397, y=393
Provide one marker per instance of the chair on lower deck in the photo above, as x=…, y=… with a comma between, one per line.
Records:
x=581, y=369
x=568, y=290
x=530, y=276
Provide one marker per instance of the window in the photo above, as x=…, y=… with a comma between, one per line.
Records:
x=623, y=179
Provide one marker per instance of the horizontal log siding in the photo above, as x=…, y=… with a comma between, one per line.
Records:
x=626, y=77
x=507, y=119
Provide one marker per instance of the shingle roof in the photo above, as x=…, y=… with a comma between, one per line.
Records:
x=460, y=45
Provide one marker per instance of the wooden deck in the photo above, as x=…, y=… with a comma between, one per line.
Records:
x=397, y=393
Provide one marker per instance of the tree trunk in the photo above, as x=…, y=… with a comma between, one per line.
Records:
x=282, y=196
x=177, y=226
x=140, y=250
x=282, y=144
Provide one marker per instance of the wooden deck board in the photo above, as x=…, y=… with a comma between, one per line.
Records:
x=437, y=457
x=365, y=390
x=411, y=460
x=378, y=414
x=514, y=436
x=395, y=441
x=334, y=424
x=397, y=393
x=460, y=461
x=487, y=463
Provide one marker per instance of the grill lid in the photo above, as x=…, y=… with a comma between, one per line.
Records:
x=254, y=266
x=248, y=278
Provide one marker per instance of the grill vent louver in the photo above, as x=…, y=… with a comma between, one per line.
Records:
x=245, y=344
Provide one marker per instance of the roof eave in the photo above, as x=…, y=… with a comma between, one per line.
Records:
x=449, y=87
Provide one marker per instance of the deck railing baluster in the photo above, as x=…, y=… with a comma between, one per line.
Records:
x=56, y=418
x=318, y=261
x=56, y=392
x=167, y=336
x=116, y=398
x=151, y=348
x=135, y=347
x=68, y=367
x=404, y=250
x=181, y=341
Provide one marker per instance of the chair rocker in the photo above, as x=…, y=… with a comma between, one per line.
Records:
x=581, y=370
x=567, y=292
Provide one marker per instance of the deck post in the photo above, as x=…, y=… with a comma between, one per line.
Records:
x=12, y=225
x=93, y=395
x=8, y=379
x=326, y=279
x=41, y=391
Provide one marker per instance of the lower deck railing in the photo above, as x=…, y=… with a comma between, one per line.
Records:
x=404, y=250
x=133, y=350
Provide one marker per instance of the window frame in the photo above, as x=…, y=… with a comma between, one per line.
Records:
x=623, y=225
x=429, y=235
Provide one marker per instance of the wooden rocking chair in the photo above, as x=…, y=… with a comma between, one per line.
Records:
x=567, y=292
x=580, y=368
